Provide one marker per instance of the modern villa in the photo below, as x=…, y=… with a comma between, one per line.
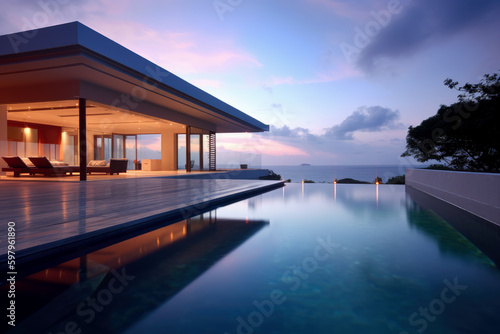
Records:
x=163, y=249
x=71, y=94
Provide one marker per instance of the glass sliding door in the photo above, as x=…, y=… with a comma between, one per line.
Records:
x=131, y=150
x=181, y=151
x=149, y=146
x=195, y=152
x=102, y=147
x=206, y=151
x=195, y=156
x=118, y=151
x=107, y=149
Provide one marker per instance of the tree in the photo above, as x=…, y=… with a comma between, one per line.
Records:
x=465, y=135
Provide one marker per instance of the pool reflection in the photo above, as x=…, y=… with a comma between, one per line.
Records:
x=166, y=260
x=467, y=227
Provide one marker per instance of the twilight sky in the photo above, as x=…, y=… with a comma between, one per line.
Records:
x=339, y=82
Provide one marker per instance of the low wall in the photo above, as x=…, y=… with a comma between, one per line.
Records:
x=477, y=193
x=234, y=174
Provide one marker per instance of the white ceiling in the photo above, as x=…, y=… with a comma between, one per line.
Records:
x=100, y=118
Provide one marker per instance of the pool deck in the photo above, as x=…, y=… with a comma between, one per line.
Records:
x=56, y=217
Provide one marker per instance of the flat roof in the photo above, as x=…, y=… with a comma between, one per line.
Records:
x=126, y=68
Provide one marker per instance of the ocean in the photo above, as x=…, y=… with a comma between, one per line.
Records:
x=319, y=173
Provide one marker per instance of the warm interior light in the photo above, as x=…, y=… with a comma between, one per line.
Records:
x=27, y=131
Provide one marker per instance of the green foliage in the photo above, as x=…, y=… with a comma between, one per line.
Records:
x=271, y=176
x=465, y=134
x=400, y=179
x=307, y=181
x=352, y=181
x=439, y=167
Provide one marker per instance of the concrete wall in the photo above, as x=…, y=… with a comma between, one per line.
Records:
x=168, y=150
x=477, y=193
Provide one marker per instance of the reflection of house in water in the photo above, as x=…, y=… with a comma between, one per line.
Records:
x=162, y=262
x=483, y=234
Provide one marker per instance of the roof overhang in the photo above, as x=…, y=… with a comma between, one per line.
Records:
x=72, y=61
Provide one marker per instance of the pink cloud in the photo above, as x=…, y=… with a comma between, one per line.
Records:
x=181, y=52
x=342, y=72
x=253, y=144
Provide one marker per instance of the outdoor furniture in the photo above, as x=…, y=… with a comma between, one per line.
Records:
x=191, y=164
x=18, y=166
x=48, y=168
x=115, y=166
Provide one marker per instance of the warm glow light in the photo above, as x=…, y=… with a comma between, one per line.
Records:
x=27, y=131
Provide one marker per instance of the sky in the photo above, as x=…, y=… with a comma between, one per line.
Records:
x=338, y=82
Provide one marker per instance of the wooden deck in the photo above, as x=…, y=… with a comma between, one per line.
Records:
x=54, y=217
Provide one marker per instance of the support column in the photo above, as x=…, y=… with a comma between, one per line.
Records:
x=188, y=149
x=82, y=106
x=212, y=152
x=3, y=136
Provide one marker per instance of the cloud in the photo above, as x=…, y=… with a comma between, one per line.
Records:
x=364, y=119
x=257, y=144
x=24, y=15
x=422, y=23
x=182, y=52
x=296, y=133
x=367, y=119
x=379, y=139
x=336, y=71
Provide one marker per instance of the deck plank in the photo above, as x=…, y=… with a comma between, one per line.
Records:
x=51, y=214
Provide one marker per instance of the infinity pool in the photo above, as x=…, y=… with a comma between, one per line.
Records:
x=307, y=258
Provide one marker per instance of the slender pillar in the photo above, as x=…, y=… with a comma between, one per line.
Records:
x=188, y=149
x=201, y=151
x=82, y=103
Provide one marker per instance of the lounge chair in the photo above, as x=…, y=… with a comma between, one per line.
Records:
x=115, y=166
x=18, y=166
x=191, y=164
x=47, y=168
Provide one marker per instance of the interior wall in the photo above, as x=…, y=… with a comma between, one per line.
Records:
x=168, y=150
x=3, y=136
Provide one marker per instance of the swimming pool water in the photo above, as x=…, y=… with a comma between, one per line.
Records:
x=308, y=258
